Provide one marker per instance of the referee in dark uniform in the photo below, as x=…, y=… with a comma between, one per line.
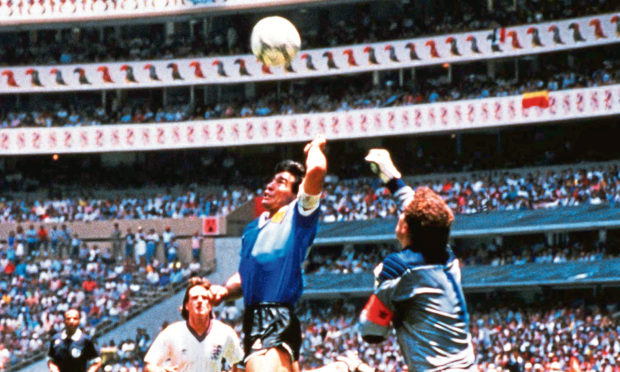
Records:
x=72, y=350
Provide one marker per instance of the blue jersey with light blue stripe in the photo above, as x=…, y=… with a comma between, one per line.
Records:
x=272, y=251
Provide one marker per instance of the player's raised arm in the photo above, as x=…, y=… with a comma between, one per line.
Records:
x=381, y=164
x=316, y=166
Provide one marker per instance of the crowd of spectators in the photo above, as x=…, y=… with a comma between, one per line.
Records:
x=360, y=24
x=345, y=200
x=521, y=254
x=517, y=337
x=363, y=199
x=327, y=97
x=351, y=259
x=36, y=289
x=190, y=204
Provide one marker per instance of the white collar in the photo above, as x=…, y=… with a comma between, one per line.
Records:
x=263, y=219
x=75, y=337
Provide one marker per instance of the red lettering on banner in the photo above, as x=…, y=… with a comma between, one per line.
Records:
x=210, y=226
x=306, y=126
x=377, y=121
x=458, y=117
x=249, y=130
x=115, y=137
x=235, y=131
x=566, y=103
x=580, y=103
x=83, y=138
x=335, y=123
x=293, y=127
x=594, y=101
x=21, y=140
x=552, y=104
x=205, y=133
x=99, y=137
x=364, y=123
x=484, y=108
x=146, y=136
x=431, y=116
x=190, y=134
x=4, y=141
x=443, y=114
x=350, y=124
x=67, y=138
x=219, y=132
x=51, y=140
x=608, y=99
x=278, y=129
x=390, y=119
x=176, y=135
x=322, y=125
x=512, y=112
x=418, y=117
x=36, y=140
x=524, y=112
x=497, y=111
x=470, y=113
x=264, y=129
x=405, y=117
x=160, y=135
x=129, y=137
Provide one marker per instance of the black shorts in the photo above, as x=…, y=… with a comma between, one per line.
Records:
x=271, y=325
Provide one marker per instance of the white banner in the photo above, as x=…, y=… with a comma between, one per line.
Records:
x=522, y=40
x=436, y=117
x=26, y=12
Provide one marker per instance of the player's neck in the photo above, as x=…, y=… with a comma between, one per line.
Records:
x=199, y=325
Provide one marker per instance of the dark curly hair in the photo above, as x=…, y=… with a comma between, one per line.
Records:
x=294, y=168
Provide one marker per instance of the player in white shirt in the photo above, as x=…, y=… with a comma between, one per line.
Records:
x=197, y=344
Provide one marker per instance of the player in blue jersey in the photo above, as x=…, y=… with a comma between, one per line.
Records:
x=273, y=248
x=418, y=290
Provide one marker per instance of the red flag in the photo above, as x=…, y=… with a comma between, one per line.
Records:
x=539, y=99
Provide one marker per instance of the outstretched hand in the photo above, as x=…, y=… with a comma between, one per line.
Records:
x=381, y=164
x=319, y=141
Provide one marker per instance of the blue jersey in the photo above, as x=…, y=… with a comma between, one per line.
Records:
x=272, y=251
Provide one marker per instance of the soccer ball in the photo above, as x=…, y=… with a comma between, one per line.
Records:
x=275, y=41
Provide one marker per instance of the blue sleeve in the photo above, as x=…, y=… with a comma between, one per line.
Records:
x=306, y=221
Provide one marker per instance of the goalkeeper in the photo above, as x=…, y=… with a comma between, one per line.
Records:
x=418, y=290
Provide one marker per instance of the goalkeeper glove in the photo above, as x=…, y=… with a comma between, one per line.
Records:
x=381, y=164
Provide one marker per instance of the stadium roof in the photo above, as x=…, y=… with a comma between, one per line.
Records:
x=572, y=274
x=585, y=217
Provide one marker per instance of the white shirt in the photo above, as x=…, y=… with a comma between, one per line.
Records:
x=177, y=345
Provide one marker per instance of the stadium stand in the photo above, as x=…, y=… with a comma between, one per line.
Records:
x=326, y=97
x=134, y=43
x=537, y=203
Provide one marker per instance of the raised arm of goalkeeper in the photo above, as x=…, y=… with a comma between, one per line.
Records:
x=382, y=165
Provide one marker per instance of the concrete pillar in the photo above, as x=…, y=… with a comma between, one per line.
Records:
x=375, y=78
x=250, y=90
x=458, y=143
x=401, y=78
x=602, y=236
x=168, y=30
x=549, y=237
x=491, y=69
x=490, y=5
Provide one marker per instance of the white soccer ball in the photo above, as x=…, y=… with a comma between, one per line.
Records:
x=275, y=41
